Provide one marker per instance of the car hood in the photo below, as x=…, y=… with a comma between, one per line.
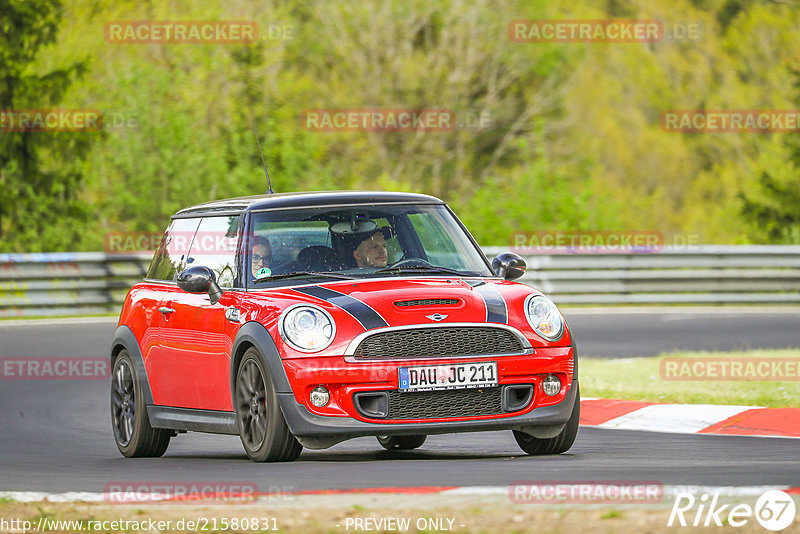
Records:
x=361, y=305
x=401, y=302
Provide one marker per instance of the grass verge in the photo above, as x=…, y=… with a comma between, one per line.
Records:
x=359, y=513
x=641, y=379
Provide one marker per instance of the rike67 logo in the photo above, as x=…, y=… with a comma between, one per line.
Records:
x=774, y=510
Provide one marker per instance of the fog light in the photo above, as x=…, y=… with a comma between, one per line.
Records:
x=319, y=396
x=551, y=385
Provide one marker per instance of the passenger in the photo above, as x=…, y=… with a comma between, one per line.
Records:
x=260, y=255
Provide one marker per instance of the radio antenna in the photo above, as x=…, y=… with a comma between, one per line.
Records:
x=269, y=183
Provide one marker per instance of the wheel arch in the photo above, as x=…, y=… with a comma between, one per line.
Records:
x=254, y=335
x=124, y=339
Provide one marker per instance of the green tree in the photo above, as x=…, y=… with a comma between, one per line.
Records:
x=775, y=204
x=40, y=175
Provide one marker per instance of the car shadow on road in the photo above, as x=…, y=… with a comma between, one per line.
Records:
x=310, y=456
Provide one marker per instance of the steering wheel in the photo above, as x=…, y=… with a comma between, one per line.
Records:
x=409, y=262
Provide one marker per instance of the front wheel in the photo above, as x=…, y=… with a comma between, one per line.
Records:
x=262, y=428
x=557, y=444
x=132, y=431
x=401, y=443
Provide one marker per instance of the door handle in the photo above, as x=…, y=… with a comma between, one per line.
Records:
x=164, y=309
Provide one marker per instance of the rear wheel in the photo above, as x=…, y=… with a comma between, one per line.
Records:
x=557, y=444
x=132, y=431
x=262, y=428
x=401, y=443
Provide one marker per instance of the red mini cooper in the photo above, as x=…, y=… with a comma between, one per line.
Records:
x=306, y=319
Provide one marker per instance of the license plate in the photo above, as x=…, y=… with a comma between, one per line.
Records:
x=452, y=376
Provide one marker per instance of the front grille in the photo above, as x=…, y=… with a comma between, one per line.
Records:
x=453, y=403
x=427, y=302
x=439, y=342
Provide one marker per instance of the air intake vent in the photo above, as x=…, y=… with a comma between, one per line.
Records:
x=426, y=302
x=435, y=404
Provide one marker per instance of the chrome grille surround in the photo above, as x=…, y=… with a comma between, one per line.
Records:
x=449, y=340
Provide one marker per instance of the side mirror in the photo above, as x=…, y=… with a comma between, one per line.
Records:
x=508, y=265
x=200, y=279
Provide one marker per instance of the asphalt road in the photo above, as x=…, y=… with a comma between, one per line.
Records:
x=606, y=334
x=638, y=333
x=55, y=436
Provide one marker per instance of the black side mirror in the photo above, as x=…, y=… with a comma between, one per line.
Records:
x=200, y=279
x=508, y=265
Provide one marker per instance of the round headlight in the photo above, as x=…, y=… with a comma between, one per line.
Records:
x=307, y=328
x=544, y=317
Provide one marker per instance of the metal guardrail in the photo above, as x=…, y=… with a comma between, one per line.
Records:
x=736, y=274
x=94, y=282
x=69, y=283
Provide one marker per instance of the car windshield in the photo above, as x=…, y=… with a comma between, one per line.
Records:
x=360, y=242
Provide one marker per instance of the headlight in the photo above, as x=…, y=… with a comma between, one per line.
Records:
x=307, y=328
x=544, y=317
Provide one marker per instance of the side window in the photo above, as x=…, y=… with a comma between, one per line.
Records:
x=214, y=246
x=170, y=258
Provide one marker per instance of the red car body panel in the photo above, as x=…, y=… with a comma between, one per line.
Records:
x=187, y=353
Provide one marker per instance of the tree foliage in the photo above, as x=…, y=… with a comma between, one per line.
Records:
x=774, y=205
x=549, y=136
x=40, y=173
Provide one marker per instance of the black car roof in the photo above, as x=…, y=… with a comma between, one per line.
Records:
x=304, y=200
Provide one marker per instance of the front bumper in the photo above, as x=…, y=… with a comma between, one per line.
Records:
x=320, y=432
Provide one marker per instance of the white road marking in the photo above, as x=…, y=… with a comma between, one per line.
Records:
x=675, y=418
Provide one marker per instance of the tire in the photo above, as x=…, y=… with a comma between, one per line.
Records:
x=401, y=443
x=557, y=444
x=129, y=422
x=262, y=428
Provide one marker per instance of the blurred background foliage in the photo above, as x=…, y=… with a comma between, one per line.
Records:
x=556, y=136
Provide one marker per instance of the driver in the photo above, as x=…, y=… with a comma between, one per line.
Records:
x=371, y=251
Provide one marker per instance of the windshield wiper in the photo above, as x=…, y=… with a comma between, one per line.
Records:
x=295, y=274
x=423, y=268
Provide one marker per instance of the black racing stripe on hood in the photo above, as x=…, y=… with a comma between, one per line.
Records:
x=496, y=311
x=365, y=315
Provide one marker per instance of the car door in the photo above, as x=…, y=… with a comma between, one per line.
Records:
x=196, y=338
x=168, y=260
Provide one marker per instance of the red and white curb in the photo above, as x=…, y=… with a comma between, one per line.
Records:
x=691, y=418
